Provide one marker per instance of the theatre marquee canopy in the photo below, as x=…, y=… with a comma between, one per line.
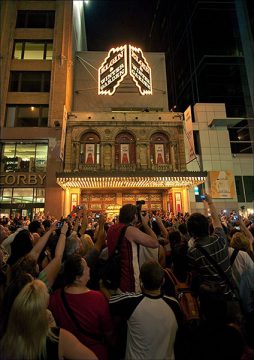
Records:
x=127, y=181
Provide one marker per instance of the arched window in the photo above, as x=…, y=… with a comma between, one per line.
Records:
x=125, y=148
x=90, y=149
x=159, y=148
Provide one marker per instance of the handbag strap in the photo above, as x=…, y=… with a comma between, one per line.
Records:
x=233, y=256
x=75, y=320
x=217, y=267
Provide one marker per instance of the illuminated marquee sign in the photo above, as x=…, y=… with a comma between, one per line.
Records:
x=112, y=70
x=140, y=70
x=115, y=67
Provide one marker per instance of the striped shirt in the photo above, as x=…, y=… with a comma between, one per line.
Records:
x=217, y=247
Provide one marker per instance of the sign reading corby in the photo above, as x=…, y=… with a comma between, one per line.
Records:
x=116, y=65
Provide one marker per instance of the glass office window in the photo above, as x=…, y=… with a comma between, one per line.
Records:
x=239, y=188
x=33, y=50
x=41, y=157
x=24, y=157
x=49, y=51
x=35, y=19
x=18, y=49
x=249, y=188
x=27, y=116
x=29, y=81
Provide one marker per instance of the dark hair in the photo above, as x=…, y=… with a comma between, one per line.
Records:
x=21, y=246
x=151, y=275
x=183, y=229
x=180, y=261
x=127, y=213
x=26, y=264
x=34, y=226
x=73, y=267
x=174, y=238
x=46, y=223
x=198, y=225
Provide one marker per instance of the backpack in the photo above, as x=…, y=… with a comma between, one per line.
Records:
x=111, y=271
x=187, y=301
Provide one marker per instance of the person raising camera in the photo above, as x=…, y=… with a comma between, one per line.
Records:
x=129, y=216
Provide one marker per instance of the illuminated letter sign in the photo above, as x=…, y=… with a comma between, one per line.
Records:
x=112, y=70
x=140, y=70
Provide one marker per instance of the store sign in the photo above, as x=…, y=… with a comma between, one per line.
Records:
x=115, y=67
x=222, y=184
x=140, y=70
x=23, y=179
x=112, y=71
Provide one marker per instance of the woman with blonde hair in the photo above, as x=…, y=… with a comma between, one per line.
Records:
x=28, y=335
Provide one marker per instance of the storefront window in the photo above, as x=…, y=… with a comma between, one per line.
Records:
x=24, y=157
x=5, y=195
x=39, y=196
x=22, y=195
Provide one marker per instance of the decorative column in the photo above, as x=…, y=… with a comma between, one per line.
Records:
x=76, y=150
x=102, y=155
x=172, y=156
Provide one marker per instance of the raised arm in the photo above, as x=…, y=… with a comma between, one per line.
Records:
x=83, y=223
x=52, y=269
x=213, y=211
x=100, y=234
x=163, y=230
x=246, y=231
x=147, y=238
x=38, y=247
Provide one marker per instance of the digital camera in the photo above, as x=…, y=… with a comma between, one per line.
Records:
x=139, y=204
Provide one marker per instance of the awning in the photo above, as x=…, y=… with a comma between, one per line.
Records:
x=151, y=180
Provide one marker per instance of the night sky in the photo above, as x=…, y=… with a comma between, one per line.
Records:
x=111, y=23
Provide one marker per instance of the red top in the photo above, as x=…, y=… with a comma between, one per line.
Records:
x=129, y=266
x=92, y=311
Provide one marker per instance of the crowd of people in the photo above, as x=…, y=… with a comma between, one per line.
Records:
x=185, y=289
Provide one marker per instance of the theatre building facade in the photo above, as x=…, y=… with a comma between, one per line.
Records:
x=121, y=143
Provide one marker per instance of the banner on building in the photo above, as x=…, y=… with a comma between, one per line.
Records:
x=189, y=134
x=63, y=134
x=222, y=184
x=89, y=154
x=125, y=156
x=159, y=154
